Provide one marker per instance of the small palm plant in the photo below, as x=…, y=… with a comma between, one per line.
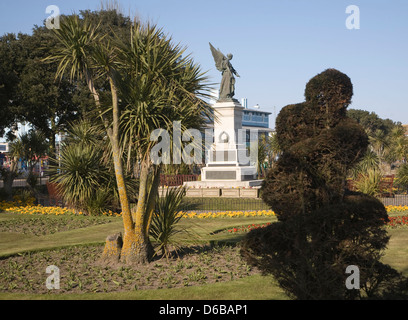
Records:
x=83, y=173
x=165, y=220
x=402, y=176
x=78, y=174
x=370, y=182
x=370, y=161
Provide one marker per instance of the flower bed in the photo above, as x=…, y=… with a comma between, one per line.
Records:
x=400, y=208
x=394, y=222
x=227, y=214
x=399, y=221
x=27, y=207
x=248, y=227
x=20, y=207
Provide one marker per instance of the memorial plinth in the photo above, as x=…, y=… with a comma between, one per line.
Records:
x=228, y=162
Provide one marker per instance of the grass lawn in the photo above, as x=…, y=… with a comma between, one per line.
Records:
x=28, y=244
x=200, y=231
x=254, y=287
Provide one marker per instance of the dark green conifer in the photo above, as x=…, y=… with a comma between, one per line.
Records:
x=322, y=228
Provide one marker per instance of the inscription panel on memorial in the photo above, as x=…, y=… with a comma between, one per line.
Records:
x=221, y=175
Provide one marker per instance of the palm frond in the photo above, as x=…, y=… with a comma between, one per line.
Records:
x=76, y=38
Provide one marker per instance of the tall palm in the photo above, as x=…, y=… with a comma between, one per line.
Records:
x=399, y=144
x=274, y=149
x=378, y=141
x=82, y=54
x=156, y=86
x=159, y=86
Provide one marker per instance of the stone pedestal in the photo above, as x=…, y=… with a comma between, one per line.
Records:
x=227, y=163
x=222, y=184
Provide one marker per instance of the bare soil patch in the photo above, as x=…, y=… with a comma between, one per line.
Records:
x=81, y=270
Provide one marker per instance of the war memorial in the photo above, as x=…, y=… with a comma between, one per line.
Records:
x=229, y=162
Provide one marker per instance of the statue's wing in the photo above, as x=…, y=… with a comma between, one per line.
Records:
x=218, y=57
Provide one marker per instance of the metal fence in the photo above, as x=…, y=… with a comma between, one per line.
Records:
x=248, y=204
x=222, y=204
x=225, y=204
x=396, y=200
x=19, y=183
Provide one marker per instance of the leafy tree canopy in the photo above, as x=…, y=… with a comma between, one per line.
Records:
x=29, y=90
x=371, y=121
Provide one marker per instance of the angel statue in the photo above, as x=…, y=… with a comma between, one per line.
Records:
x=227, y=88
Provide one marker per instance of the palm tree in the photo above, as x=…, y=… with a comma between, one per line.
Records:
x=150, y=85
x=79, y=174
x=159, y=86
x=82, y=53
x=29, y=147
x=84, y=173
x=379, y=143
x=399, y=144
x=370, y=161
x=274, y=149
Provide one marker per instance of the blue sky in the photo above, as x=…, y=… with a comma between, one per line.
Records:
x=277, y=45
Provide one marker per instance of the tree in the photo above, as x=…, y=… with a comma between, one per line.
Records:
x=387, y=138
x=11, y=65
x=272, y=148
x=28, y=90
x=9, y=174
x=370, y=161
x=34, y=146
x=322, y=228
x=398, y=146
x=84, y=174
x=379, y=143
x=29, y=147
x=150, y=84
x=159, y=86
x=402, y=176
x=32, y=94
x=371, y=122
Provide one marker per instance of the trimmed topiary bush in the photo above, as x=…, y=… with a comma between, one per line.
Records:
x=322, y=227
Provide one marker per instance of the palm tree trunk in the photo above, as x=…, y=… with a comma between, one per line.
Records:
x=151, y=201
x=128, y=252
x=136, y=244
x=137, y=248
